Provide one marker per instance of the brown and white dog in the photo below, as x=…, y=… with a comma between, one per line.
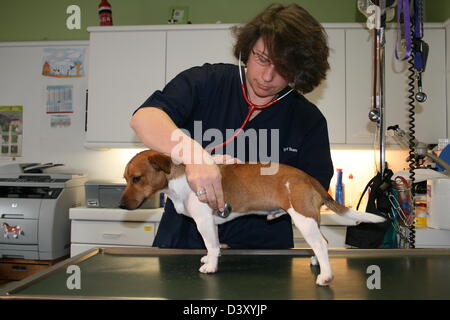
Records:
x=290, y=191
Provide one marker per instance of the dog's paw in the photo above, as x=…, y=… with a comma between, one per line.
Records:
x=204, y=259
x=324, y=279
x=208, y=268
x=314, y=261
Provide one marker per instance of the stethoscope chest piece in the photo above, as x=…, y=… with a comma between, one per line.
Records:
x=226, y=211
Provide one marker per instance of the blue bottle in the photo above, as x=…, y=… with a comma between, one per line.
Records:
x=162, y=200
x=340, y=188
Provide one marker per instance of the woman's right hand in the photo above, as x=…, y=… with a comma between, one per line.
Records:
x=206, y=179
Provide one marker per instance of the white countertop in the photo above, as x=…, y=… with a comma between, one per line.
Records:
x=327, y=217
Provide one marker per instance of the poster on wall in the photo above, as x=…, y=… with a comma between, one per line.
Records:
x=63, y=63
x=11, y=122
x=60, y=121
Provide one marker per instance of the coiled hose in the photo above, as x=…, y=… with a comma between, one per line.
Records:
x=412, y=141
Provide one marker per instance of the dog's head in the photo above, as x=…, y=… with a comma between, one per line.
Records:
x=146, y=173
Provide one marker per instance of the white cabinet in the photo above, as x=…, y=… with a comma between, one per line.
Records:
x=105, y=227
x=189, y=48
x=447, y=73
x=430, y=124
x=329, y=96
x=127, y=64
x=358, y=61
x=124, y=69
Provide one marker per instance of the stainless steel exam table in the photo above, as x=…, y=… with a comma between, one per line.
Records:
x=151, y=273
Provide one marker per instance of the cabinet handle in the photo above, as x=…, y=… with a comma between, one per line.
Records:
x=86, y=111
x=12, y=216
x=112, y=235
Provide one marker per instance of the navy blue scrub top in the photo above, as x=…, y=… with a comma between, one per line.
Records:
x=212, y=94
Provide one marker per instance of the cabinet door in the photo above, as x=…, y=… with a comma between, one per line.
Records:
x=447, y=67
x=329, y=97
x=124, y=69
x=189, y=48
x=430, y=124
x=358, y=86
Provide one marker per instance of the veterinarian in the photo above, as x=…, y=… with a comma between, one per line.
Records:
x=284, y=51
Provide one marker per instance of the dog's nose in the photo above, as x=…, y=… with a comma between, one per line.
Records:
x=123, y=206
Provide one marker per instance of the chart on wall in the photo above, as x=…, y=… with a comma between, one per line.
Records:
x=59, y=99
x=11, y=122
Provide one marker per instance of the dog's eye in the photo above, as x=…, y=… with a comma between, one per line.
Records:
x=136, y=179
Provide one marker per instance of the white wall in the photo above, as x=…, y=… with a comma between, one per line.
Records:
x=21, y=83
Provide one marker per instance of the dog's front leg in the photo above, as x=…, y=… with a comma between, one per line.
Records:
x=204, y=219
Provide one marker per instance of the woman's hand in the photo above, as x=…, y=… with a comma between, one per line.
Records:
x=205, y=180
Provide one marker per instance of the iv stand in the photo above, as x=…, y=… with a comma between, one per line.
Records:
x=377, y=113
x=381, y=41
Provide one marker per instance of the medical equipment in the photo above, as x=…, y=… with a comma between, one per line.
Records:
x=385, y=194
x=377, y=13
x=420, y=148
x=409, y=35
x=365, y=235
x=410, y=20
x=252, y=108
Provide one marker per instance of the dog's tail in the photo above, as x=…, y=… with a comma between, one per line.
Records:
x=350, y=213
x=343, y=210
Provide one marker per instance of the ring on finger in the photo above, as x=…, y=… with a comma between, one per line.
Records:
x=200, y=193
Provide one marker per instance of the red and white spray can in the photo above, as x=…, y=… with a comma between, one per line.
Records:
x=105, y=13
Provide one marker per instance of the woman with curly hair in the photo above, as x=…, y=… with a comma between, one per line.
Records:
x=284, y=53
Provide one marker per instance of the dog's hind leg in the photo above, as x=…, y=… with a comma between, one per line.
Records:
x=310, y=231
x=204, y=219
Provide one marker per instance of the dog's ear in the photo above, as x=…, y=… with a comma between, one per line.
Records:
x=160, y=162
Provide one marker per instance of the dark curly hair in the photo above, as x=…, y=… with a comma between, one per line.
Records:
x=296, y=43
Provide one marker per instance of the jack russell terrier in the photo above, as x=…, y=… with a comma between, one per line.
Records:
x=290, y=191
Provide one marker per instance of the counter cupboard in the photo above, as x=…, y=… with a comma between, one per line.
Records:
x=128, y=63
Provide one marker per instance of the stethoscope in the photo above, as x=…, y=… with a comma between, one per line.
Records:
x=251, y=108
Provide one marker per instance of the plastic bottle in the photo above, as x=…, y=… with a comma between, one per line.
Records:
x=105, y=13
x=340, y=198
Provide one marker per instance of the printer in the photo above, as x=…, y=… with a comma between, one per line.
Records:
x=34, y=210
x=106, y=193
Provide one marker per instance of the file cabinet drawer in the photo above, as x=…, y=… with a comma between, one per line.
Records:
x=113, y=232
